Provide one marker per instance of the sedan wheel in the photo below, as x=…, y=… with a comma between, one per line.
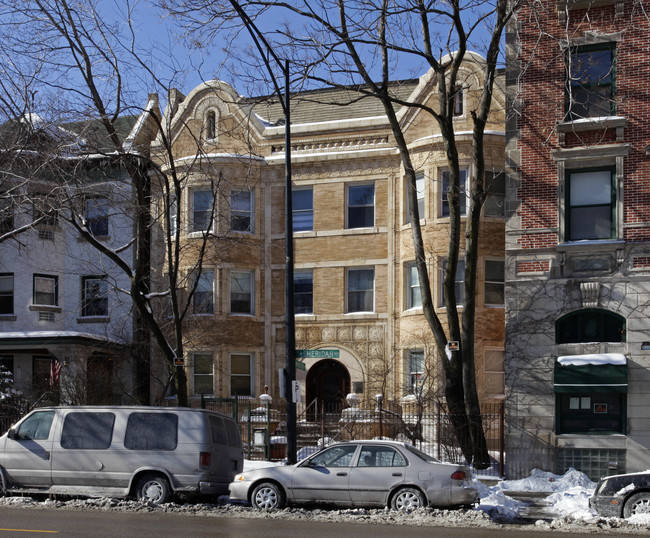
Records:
x=637, y=504
x=407, y=499
x=267, y=496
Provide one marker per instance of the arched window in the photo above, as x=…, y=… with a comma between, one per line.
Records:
x=211, y=125
x=590, y=325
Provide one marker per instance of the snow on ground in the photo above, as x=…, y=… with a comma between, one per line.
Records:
x=566, y=500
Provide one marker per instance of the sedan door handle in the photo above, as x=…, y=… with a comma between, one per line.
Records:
x=397, y=474
x=341, y=474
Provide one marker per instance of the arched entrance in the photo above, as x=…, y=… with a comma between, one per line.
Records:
x=328, y=382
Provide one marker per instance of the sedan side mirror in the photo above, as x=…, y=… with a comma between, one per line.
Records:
x=12, y=433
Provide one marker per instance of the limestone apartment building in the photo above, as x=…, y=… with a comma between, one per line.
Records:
x=577, y=238
x=359, y=323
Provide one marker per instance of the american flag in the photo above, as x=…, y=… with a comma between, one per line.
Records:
x=55, y=372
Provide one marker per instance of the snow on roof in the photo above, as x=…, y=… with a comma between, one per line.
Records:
x=617, y=359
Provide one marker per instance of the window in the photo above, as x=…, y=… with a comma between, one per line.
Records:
x=590, y=325
x=202, y=210
x=494, y=282
x=460, y=282
x=591, y=204
x=494, y=378
x=413, y=292
x=6, y=294
x=151, y=431
x=87, y=430
x=361, y=206
x=302, y=201
x=241, y=374
x=380, y=456
x=337, y=456
x=458, y=101
x=419, y=188
x=241, y=211
x=303, y=291
x=41, y=365
x=242, y=285
x=495, y=185
x=6, y=216
x=7, y=362
x=591, y=81
x=37, y=426
x=97, y=216
x=444, y=196
x=94, y=296
x=587, y=412
x=44, y=212
x=203, y=298
x=172, y=217
x=361, y=287
x=45, y=290
x=415, y=371
x=203, y=373
x=211, y=125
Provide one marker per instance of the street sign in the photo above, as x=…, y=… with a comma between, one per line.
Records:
x=317, y=353
x=453, y=345
x=295, y=390
x=300, y=366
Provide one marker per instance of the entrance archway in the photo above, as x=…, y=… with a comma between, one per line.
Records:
x=328, y=382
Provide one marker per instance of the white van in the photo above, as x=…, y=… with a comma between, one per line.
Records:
x=145, y=452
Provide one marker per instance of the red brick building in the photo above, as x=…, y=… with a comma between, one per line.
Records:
x=578, y=237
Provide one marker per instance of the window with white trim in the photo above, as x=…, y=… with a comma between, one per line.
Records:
x=242, y=211
x=413, y=291
x=203, y=298
x=202, y=210
x=444, y=192
x=202, y=373
x=360, y=206
x=242, y=287
x=420, y=190
x=459, y=286
x=415, y=371
x=360, y=290
x=46, y=290
x=241, y=374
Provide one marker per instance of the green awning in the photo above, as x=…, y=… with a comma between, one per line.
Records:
x=602, y=373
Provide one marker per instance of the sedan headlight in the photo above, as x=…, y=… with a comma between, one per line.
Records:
x=240, y=477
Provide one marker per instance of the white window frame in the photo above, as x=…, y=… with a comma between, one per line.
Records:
x=193, y=210
x=43, y=278
x=210, y=374
x=442, y=195
x=414, y=376
x=242, y=213
x=85, y=281
x=250, y=375
x=460, y=271
x=410, y=286
x=420, y=187
x=348, y=291
x=349, y=208
x=300, y=211
x=251, y=276
x=206, y=273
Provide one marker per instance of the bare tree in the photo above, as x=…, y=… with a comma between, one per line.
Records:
x=83, y=70
x=338, y=43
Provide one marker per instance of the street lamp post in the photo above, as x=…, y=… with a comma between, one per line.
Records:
x=290, y=369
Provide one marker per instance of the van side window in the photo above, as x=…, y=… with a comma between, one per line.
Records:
x=151, y=431
x=87, y=430
x=234, y=438
x=36, y=427
x=219, y=434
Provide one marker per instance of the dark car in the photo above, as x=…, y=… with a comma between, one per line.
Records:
x=622, y=495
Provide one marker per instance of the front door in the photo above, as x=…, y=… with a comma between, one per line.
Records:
x=328, y=382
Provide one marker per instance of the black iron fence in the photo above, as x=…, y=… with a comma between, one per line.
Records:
x=264, y=429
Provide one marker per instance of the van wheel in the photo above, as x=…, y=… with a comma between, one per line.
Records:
x=153, y=488
x=267, y=496
x=407, y=499
x=637, y=504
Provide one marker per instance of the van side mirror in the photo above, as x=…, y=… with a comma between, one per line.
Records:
x=12, y=433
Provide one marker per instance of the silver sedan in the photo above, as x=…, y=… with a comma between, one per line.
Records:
x=359, y=473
